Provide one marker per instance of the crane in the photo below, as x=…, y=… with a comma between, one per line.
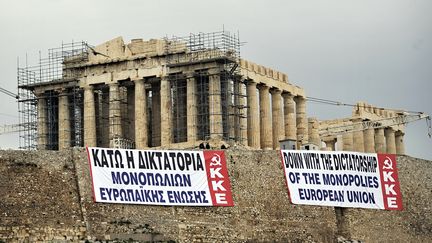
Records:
x=401, y=119
x=7, y=92
x=9, y=128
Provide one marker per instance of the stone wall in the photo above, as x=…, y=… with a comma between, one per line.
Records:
x=414, y=223
x=39, y=199
x=262, y=210
x=47, y=196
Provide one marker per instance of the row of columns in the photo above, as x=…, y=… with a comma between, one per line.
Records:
x=378, y=140
x=269, y=120
x=163, y=105
x=115, y=117
x=268, y=125
x=64, y=123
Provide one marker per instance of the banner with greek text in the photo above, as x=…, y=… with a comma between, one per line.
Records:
x=156, y=177
x=342, y=179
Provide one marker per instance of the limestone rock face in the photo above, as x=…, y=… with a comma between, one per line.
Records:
x=47, y=196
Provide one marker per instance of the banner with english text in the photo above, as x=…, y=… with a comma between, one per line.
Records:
x=160, y=177
x=342, y=179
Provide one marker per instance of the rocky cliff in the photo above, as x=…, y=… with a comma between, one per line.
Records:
x=46, y=195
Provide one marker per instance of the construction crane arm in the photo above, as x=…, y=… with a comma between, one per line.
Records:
x=10, y=128
x=7, y=92
x=381, y=123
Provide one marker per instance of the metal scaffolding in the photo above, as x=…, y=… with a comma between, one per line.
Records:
x=114, y=103
x=50, y=69
x=222, y=48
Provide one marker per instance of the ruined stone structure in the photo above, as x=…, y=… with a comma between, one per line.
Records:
x=165, y=93
x=182, y=92
x=377, y=138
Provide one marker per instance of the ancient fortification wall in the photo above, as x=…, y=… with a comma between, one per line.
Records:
x=39, y=199
x=47, y=195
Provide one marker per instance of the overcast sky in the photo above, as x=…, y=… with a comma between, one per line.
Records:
x=374, y=51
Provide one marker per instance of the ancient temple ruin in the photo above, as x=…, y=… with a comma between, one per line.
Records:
x=384, y=133
x=172, y=92
x=180, y=92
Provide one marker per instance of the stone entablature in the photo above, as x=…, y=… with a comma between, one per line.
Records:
x=368, y=112
x=149, y=57
x=117, y=50
x=263, y=71
x=270, y=77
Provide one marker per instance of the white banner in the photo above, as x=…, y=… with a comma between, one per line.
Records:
x=186, y=178
x=342, y=179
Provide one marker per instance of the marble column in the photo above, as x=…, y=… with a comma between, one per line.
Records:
x=289, y=116
x=243, y=115
x=215, y=106
x=347, y=140
x=141, y=128
x=123, y=95
x=313, y=132
x=191, y=103
x=331, y=144
x=236, y=111
x=130, y=118
x=115, y=121
x=156, y=115
x=230, y=109
x=253, y=117
x=380, y=146
x=390, y=140
x=400, y=146
x=369, y=140
x=42, y=128
x=89, y=117
x=339, y=143
x=358, y=133
x=165, y=111
x=64, y=121
x=277, y=118
x=301, y=121
x=265, y=118
x=104, y=119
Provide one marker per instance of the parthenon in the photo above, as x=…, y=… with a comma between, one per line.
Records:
x=166, y=93
x=180, y=92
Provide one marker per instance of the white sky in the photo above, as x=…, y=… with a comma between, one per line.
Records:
x=374, y=51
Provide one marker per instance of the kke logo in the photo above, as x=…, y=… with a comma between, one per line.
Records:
x=388, y=164
x=215, y=160
x=218, y=180
x=390, y=183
